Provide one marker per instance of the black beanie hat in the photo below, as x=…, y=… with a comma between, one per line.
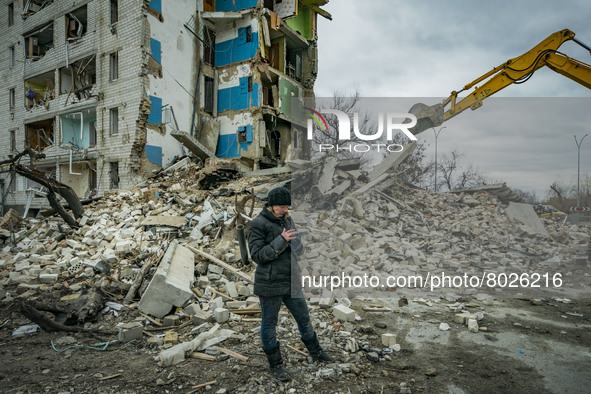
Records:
x=279, y=196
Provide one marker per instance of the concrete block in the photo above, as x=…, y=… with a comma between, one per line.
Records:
x=21, y=265
x=2, y=292
x=326, y=302
x=193, y=308
x=388, y=339
x=130, y=331
x=242, y=290
x=221, y=315
x=203, y=282
x=48, y=278
x=215, y=269
x=171, y=320
x=235, y=304
x=231, y=289
x=343, y=313
x=216, y=303
x=124, y=246
x=472, y=325
x=171, y=284
x=201, y=317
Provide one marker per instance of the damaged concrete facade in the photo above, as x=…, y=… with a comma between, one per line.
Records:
x=90, y=85
x=258, y=55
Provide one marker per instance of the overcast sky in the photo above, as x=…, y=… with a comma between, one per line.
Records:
x=524, y=134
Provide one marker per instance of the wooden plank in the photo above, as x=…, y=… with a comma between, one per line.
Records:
x=210, y=383
x=297, y=350
x=251, y=319
x=110, y=377
x=232, y=353
x=150, y=319
x=219, y=262
x=202, y=356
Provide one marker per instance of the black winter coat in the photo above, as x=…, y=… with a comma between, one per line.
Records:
x=273, y=276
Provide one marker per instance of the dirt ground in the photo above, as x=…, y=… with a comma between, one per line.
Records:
x=542, y=347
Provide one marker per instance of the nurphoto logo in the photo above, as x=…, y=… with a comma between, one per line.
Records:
x=393, y=123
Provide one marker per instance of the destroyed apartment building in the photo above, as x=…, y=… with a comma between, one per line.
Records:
x=105, y=89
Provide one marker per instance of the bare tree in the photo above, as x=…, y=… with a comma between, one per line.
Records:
x=456, y=176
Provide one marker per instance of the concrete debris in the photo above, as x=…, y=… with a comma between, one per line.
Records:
x=171, y=244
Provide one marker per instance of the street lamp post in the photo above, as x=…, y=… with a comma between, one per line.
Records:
x=578, y=164
x=436, y=135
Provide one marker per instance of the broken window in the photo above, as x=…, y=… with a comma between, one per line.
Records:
x=113, y=66
x=294, y=64
x=114, y=121
x=209, y=46
x=10, y=14
x=248, y=34
x=39, y=42
x=11, y=99
x=114, y=174
x=40, y=135
x=249, y=83
x=39, y=90
x=114, y=11
x=209, y=90
x=32, y=6
x=78, y=79
x=11, y=57
x=78, y=129
x=13, y=141
x=76, y=24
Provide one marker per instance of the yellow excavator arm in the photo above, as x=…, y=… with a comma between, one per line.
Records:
x=514, y=71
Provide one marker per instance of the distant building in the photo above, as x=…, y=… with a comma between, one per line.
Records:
x=106, y=88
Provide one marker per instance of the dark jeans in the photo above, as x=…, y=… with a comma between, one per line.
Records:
x=270, y=310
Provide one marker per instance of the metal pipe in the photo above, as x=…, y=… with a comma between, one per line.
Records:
x=73, y=173
x=242, y=242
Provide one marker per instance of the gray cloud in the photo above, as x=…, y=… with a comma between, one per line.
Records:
x=429, y=48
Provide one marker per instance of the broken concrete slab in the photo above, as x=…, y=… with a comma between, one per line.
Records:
x=171, y=284
x=192, y=144
x=172, y=221
x=526, y=214
x=343, y=313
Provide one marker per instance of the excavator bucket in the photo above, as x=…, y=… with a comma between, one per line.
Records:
x=427, y=117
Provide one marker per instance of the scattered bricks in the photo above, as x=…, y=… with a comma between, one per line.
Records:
x=22, y=265
x=48, y=278
x=171, y=337
x=124, y=246
x=343, y=313
x=193, y=308
x=74, y=244
x=235, y=304
x=231, y=289
x=388, y=339
x=201, y=317
x=216, y=303
x=18, y=257
x=130, y=331
x=242, y=289
x=326, y=302
x=24, y=287
x=203, y=282
x=461, y=317
x=171, y=320
x=221, y=315
x=215, y=269
x=472, y=325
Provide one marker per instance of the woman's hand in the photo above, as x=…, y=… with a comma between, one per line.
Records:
x=288, y=235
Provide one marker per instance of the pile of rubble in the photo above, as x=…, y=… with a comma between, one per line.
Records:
x=162, y=260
